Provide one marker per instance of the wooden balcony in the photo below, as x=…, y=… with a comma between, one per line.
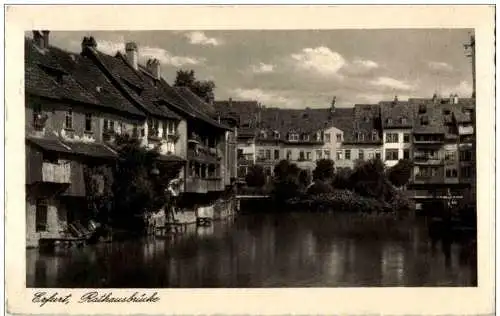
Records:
x=215, y=184
x=196, y=185
x=428, y=179
x=56, y=173
x=427, y=160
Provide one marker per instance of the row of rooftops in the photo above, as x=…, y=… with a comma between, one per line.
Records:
x=362, y=123
x=114, y=83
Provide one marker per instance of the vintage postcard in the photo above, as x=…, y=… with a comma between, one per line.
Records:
x=250, y=159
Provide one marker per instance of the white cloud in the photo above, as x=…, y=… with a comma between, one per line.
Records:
x=199, y=38
x=365, y=63
x=439, y=66
x=463, y=89
x=391, y=83
x=320, y=59
x=269, y=98
x=146, y=52
x=262, y=68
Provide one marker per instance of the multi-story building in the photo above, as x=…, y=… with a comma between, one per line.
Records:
x=397, y=118
x=77, y=103
x=362, y=140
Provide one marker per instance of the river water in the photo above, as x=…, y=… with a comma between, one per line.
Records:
x=276, y=250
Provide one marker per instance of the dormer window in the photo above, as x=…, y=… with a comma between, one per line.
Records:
x=446, y=111
x=293, y=137
x=263, y=134
x=389, y=121
x=305, y=137
x=374, y=135
x=276, y=135
x=422, y=108
x=367, y=119
x=424, y=120
x=403, y=121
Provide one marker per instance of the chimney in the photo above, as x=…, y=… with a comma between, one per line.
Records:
x=153, y=67
x=332, y=108
x=88, y=42
x=230, y=102
x=452, y=99
x=455, y=99
x=41, y=38
x=132, y=54
x=395, y=99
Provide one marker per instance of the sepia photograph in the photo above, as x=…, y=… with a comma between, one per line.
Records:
x=191, y=159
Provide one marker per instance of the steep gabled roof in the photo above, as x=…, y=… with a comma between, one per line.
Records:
x=46, y=78
x=134, y=84
x=396, y=114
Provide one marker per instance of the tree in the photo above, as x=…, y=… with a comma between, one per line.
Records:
x=286, y=182
x=255, y=176
x=202, y=88
x=368, y=179
x=304, y=179
x=140, y=182
x=324, y=170
x=400, y=174
x=341, y=179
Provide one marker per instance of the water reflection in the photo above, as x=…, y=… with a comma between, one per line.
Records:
x=299, y=250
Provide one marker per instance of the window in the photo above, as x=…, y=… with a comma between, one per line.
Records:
x=450, y=155
x=276, y=154
x=301, y=155
x=319, y=154
x=406, y=137
x=378, y=155
x=389, y=121
x=361, y=137
x=339, y=154
x=268, y=154
x=308, y=155
x=305, y=137
x=327, y=137
x=339, y=137
x=68, y=122
x=465, y=155
x=348, y=154
x=38, y=118
x=41, y=215
x=276, y=135
x=293, y=137
x=451, y=173
x=391, y=154
x=424, y=120
x=240, y=153
x=111, y=126
x=288, y=154
x=391, y=138
x=88, y=122
x=422, y=108
x=361, y=154
x=261, y=153
x=263, y=134
x=406, y=154
x=403, y=121
x=374, y=136
x=466, y=172
x=327, y=154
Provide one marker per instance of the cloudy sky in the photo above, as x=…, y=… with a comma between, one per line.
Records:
x=304, y=68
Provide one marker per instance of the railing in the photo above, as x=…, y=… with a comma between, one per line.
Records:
x=214, y=184
x=428, y=179
x=196, y=185
x=428, y=160
x=56, y=173
x=428, y=141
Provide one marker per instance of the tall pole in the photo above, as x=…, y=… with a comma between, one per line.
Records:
x=470, y=48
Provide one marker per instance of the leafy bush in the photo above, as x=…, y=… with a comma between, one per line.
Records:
x=319, y=187
x=255, y=176
x=324, y=170
x=400, y=174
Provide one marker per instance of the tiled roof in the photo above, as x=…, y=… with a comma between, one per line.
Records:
x=49, y=144
x=428, y=116
x=54, y=144
x=396, y=114
x=198, y=108
x=96, y=150
x=365, y=125
x=170, y=157
x=245, y=111
x=45, y=77
x=138, y=86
